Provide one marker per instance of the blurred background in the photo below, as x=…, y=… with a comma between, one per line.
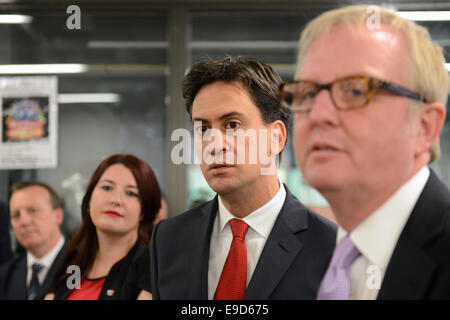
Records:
x=133, y=56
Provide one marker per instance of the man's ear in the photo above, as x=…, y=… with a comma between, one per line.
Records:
x=278, y=136
x=59, y=215
x=431, y=119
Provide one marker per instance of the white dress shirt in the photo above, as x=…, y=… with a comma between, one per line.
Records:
x=377, y=235
x=260, y=224
x=46, y=261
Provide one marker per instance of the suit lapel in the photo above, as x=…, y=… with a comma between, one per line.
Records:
x=281, y=248
x=53, y=272
x=411, y=269
x=408, y=273
x=201, y=229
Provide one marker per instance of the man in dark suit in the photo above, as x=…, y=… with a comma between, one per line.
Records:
x=365, y=130
x=5, y=240
x=36, y=216
x=254, y=240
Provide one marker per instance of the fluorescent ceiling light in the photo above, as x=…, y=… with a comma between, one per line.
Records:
x=88, y=98
x=100, y=44
x=15, y=18
x=425, y=15
x=447, y=65
x=42, y=68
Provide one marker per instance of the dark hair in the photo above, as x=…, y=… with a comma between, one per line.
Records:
x=261, y=81
x=84, y=244
x=55, y=200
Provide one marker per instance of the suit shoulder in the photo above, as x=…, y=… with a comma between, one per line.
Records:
x=316, y=220
x=12, y=264
x=180, y=221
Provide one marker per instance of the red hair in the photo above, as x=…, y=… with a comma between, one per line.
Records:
x=84, y=245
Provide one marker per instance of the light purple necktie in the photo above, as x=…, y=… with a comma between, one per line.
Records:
x=336, y=283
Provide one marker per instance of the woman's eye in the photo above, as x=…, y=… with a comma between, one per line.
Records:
x=106, y=188
x=132, y=194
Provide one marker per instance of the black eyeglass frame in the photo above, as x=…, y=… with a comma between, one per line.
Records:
x=373, y=84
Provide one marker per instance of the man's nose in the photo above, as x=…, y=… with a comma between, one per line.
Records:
x=323, y=110
x=218, y=142
x=24, y=218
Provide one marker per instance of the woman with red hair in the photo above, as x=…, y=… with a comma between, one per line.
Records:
x=111, y=247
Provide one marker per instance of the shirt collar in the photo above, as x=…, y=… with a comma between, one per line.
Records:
x=377, y=235
x=262, y=219
x=47, y=260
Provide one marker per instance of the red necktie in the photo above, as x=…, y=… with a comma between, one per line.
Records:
x=234, y=274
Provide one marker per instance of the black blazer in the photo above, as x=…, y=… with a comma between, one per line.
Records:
x=126, y=279
x=291, y=265
x=13, y=277
x=420, y=264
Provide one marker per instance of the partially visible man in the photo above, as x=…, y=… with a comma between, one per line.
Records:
x=254, y=240
x=5, y=239
x=36, y=216
x=369, y=101
x=163, y=212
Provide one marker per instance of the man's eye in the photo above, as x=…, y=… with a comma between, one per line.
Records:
x=356, y=92
x=310, y=94
x=201, y=129
x=233, y=125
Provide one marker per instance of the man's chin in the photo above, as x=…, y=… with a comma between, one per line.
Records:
x=221, y=187
x=323, y=182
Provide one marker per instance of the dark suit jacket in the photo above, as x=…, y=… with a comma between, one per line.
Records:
x=13, y=277
x=420, y=264
x=5, y=240
x=291, y=265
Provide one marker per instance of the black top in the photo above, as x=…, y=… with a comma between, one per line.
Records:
x=126, y=279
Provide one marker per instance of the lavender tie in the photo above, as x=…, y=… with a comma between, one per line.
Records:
x=336, y=283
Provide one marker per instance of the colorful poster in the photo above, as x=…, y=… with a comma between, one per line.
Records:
x=28, y=122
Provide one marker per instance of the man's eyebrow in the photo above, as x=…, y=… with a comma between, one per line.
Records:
x=222, y=117
x=231, y=114
x=199, y=120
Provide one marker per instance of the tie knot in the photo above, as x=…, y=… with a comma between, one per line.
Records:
x=345, y=253
x=36, y=267
x=238, y=228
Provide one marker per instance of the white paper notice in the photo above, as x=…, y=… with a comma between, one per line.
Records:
x=29, y=122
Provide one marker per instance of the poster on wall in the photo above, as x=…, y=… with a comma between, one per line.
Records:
x=28, y=126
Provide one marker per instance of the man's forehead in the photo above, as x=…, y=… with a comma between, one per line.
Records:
x=31, y=193
x=346, y=50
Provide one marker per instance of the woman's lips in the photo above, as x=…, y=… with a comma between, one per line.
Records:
x=113, y=214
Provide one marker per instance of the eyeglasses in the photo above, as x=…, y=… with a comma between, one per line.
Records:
x=349, y=93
